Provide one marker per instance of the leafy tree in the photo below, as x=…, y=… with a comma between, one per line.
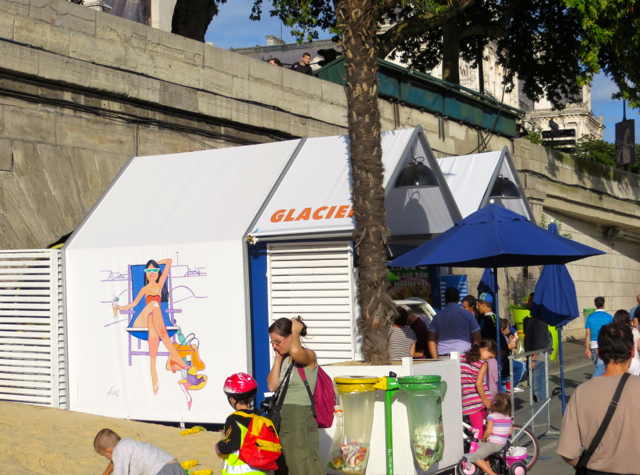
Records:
x=596, y=150
x=610, y=41
x=191, y=18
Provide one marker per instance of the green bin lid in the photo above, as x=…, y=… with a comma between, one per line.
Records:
x=426, y=379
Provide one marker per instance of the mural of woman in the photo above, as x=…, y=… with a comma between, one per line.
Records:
x=155, y=292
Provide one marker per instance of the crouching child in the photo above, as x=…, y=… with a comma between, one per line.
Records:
x=131, y=457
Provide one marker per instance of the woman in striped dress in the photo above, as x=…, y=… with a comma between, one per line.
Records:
x=475, y=394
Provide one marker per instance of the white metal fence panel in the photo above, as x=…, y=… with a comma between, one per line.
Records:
x=316, y=281
x=32, y=333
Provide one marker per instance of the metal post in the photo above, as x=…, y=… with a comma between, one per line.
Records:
x=546, y=382
x=497, y=312
x=389, y=384
x=513, y=398
x=388, y=423
x=564, y=404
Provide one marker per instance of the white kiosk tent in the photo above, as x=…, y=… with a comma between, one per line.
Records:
x=483, y=178
x=251, y=234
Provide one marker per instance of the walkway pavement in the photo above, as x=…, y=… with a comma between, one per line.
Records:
x=573, y=355
x=548, y=461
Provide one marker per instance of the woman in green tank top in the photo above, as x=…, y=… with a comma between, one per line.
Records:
x=298, y=428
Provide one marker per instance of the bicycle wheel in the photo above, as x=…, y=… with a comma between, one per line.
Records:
x=528, y=441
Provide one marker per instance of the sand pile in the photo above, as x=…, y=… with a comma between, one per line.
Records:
x=36, y=439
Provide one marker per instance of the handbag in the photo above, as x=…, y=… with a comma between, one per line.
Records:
x=581, y=466
x=272, y=406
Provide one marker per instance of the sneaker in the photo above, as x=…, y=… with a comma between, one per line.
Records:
x=518, y=390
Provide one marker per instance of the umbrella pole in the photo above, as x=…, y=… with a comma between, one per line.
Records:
x=564, y=404
x=498, y=332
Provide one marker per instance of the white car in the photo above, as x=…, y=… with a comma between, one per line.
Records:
x=419, y=307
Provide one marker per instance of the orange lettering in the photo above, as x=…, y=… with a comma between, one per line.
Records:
x=278, y=215
x=342, y=212
x=289, y=216
x=305, y=214
x=350, y=213
x=317, y=215
x=330, y=213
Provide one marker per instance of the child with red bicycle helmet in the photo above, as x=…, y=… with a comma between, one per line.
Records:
x=240, y=389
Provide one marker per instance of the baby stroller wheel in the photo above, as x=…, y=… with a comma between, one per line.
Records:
x=464, y=468
x=518, y=468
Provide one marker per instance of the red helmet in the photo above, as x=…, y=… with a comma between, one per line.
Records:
x=240, y=386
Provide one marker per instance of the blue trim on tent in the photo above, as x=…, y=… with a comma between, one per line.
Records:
x=259, y=317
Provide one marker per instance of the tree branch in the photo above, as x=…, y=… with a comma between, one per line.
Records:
x=416, y=25
x=485, y=31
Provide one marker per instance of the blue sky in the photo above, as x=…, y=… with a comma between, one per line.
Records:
x=232, y=28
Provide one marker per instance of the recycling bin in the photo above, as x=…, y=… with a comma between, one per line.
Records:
x=425, y=394
x=352, y=437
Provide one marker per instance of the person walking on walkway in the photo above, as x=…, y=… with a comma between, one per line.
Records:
x=452, y=329
x=616, y=452
x=537, y=337
x=622, y=316
x=595, y=321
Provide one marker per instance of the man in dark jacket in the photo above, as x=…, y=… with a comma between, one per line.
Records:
x=537, y=337
x=303, y=65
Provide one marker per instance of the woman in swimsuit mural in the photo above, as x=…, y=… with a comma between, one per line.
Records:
x=155, y=291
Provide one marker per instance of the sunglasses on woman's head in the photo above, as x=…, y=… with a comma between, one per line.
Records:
x=151, y=270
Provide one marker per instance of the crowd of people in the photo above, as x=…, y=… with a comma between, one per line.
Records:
x=606, y=401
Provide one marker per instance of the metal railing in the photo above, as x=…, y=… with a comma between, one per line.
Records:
x=537, y=414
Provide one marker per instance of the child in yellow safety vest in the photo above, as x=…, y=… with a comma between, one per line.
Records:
x=240, y=389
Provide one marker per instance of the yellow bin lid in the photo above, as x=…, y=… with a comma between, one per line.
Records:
x=356, y=380
x=356, y=384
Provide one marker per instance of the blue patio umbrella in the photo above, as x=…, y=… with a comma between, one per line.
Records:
x=556, y=304
x=495, y=237
x=487, y=283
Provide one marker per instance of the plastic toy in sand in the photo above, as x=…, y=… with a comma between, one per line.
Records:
x=193, y=430
x=187, y=464
x=203, y=472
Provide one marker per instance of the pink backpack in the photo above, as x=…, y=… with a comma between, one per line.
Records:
x=323, y=400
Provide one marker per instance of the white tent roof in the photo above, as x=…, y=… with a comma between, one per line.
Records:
x=315, y=194
x=471, y=179
x=211, y=195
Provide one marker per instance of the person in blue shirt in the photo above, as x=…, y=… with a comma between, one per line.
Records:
x=595, y=321
x=635, y=314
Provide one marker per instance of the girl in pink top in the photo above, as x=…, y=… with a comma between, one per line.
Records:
x=475, y=394
x=496, y=435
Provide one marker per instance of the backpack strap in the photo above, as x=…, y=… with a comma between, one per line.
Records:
x=284, y=385
x=303, y=376
x=613, y=405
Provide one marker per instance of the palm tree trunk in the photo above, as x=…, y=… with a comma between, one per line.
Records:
x=356, y=18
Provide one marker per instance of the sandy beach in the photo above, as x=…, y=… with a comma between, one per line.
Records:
x=42, y=440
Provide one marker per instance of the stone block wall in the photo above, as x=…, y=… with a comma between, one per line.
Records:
x=82, y=91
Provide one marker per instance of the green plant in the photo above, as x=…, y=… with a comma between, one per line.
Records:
x=558, y=221
x=534, y=137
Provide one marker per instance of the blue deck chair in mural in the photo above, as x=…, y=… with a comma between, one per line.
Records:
x=136, y=282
